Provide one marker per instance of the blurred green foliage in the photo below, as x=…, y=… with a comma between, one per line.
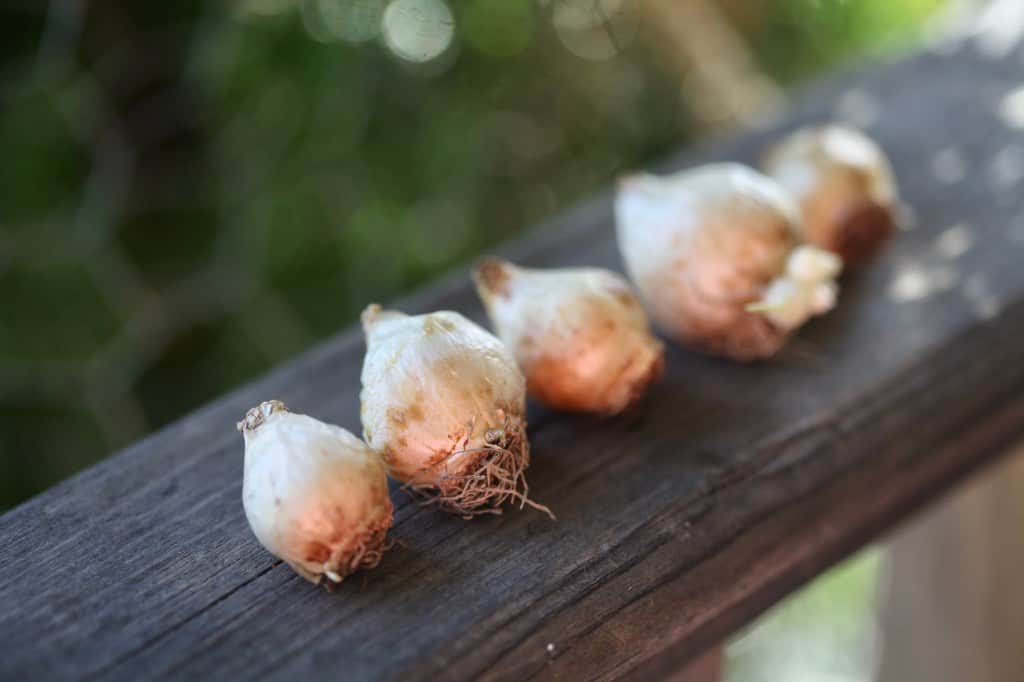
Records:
x=827, y=631
x=193, y=192
x=800, y=38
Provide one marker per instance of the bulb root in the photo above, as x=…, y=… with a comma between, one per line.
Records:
x=494, y=474
x=368, y=551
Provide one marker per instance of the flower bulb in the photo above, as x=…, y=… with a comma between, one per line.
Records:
x=443, y=402
x=314, y=495
x=579, y=334
x=844, y=185
x=705, y=247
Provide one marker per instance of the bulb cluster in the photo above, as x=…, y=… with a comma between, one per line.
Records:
x=727, y=261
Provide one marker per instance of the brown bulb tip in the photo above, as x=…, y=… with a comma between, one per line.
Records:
x=491, y=277
x=861, y=231
x=634, y=181
x=369, y=316
x=374, y=314
x=255, y=417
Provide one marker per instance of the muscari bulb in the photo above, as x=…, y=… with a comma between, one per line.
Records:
x=844, y=185
x=579, y=334
x=710, y=251
x=443, y=403
x=314, y=494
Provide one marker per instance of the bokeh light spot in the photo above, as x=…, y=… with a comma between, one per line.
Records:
x=954, y=241
x=917, y=281
x=418, y=30
x=1007, y=168
x=592, y=29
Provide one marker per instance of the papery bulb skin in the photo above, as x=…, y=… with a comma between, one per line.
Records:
x=844, y=185
x=314, y=494
x=443, y=403
x=702, y=247
x=580, y=335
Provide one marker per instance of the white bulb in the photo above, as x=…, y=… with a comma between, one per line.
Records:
x=443, y=402
x=703, y=246
x=844, y=185
x=579, y=334
x=314, y=495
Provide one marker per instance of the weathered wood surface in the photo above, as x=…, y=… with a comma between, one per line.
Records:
x=677, y=524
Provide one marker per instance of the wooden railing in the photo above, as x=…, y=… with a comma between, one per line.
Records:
x=732, y=486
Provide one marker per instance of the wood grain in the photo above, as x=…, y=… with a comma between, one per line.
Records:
x=676, y=524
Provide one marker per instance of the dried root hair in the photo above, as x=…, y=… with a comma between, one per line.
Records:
x=366, y=552
x=490, y=475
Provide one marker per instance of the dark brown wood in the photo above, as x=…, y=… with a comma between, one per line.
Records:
x=729, y=487
x=706, y=668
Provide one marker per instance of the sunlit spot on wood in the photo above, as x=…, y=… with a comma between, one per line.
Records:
x=948, y=166
x=954, y=242
x=1007, y=167
x=999, y=28
x=1011, y=109
x=976, y=290
x=916, y=281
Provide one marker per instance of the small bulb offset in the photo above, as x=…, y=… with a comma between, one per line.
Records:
x=844, y=185
x=579, y=334
x=314, y=494
x=443, y=403
x=807, y=287
x=710, y=251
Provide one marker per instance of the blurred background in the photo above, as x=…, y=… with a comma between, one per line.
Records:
x=195, y=191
